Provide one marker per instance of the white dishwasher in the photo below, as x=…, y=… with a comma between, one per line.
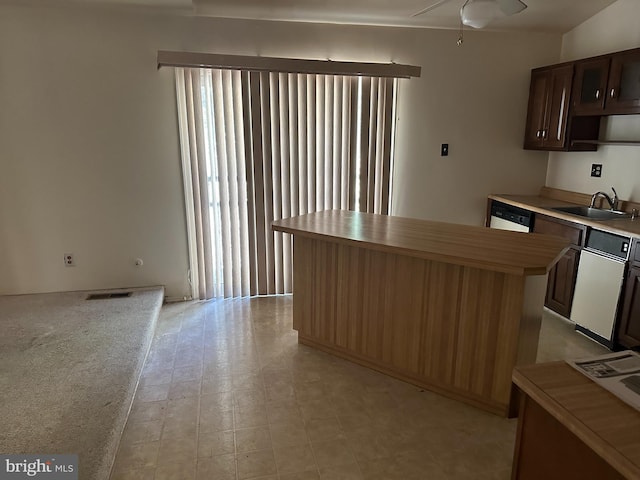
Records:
x=508, y=217
x=598, y=285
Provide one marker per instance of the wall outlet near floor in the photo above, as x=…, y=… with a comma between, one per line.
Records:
x=69, y=260
x=596, y=169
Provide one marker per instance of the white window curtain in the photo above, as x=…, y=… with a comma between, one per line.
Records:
x=260, y=146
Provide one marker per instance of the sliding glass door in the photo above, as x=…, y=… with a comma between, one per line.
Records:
x=260, y=146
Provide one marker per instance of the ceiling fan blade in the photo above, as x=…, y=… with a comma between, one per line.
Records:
x=511, y=7
x=428, y=9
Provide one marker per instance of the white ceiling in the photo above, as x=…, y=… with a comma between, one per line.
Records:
x=542, y=15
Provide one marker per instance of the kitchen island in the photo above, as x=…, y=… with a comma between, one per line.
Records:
x=451, y=308
x=571, y=427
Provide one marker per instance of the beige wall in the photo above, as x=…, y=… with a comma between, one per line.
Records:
x=475, y=99
x=89, y=146
x=613, y=29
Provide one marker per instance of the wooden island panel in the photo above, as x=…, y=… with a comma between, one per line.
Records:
x=570, y=427
x=456, y=326
x=445, y=327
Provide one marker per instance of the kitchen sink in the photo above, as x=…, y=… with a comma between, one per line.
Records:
x=592, y=213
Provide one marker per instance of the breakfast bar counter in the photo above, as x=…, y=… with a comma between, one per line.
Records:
x=451, y=308
x=571, y=427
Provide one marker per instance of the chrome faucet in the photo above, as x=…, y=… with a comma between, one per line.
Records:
x=612, y=201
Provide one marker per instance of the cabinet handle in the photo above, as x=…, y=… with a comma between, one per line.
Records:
x=612, y=93
x=597, y=94
x=544, y=133
x=538, y=133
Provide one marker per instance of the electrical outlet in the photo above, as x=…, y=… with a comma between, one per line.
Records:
x=444, y=150
x=596, y=169
x=69, y=260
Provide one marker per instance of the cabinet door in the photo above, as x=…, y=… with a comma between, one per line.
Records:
x=549, y=96
x=589, y=86
x=573, y=232
x=555, y=127
x=623, y=95
x=561, y=284
x=537, y=108
x=629, y=327
x=562, y=277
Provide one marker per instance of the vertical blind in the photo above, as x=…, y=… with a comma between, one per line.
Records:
x=260, y=146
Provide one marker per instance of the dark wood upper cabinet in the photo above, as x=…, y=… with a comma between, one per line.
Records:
x=549, y=124
x=538, y=98
x=607, y=85
x=547, y=115
x=567, y=101
x=554, y=134
x=623, y=92
x=590, y=86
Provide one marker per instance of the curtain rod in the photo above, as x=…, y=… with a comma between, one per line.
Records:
x=286, y=65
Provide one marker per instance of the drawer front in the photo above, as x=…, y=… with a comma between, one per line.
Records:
x=551, y=226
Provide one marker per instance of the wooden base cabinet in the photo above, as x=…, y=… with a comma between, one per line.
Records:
x=629, y=324
x=548, y=449
x=562, y=282
x=451, y=308
x=571, y=428
x=454, y=330
x=562, y=277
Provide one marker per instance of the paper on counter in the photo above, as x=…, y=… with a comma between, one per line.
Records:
x=611, y=371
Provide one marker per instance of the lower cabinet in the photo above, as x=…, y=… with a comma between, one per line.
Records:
x=562, y=280
x=629, y=325
x=562, y=277
x=547, y=448
x=571, y=428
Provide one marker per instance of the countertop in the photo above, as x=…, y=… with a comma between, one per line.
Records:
x=606, y=424
x=489, y=249
x=543, y=205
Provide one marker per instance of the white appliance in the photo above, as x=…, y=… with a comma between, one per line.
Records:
x=508, y=217
x=598, y=285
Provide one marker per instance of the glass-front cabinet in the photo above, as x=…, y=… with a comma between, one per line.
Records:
x=624, y=83
x=568, y=100
x=590, y=85
x=608, y=85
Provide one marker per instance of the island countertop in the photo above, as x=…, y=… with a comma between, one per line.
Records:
x=605, y=424
x=471, y=246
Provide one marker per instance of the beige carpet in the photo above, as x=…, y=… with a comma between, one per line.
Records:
x=68, y=371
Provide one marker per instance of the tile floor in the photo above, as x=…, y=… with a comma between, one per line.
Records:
x=227, y=394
